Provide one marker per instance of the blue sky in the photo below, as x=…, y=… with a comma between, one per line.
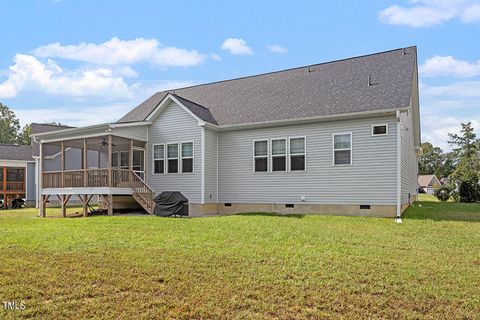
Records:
x=86, y=62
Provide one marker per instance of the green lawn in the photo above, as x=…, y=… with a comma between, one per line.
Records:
x=250, y=266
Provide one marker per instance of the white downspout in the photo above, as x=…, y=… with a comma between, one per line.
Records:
x=398, y=218
x=203, y=167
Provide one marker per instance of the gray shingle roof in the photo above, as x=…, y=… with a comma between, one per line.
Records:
x=323, y=89
x=200, y=111
x=41, y=128
x=15, y=152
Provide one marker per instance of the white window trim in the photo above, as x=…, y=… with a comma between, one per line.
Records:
x=272, y=155
x=192, y=157
x=164, y=158
x=379, y=125
x=297, y=154
x=267, y=155
x=343, y=149
x=178, y=158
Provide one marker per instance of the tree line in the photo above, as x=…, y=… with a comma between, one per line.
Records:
x=461, y=165
x=10, y=130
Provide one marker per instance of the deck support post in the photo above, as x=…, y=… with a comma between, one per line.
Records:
x=64, y=201
x=130, y=161
x=109, y=160
x=41, y=202
x=62, y=162
x=85, y=162
x=110, y=205
x=85, y=199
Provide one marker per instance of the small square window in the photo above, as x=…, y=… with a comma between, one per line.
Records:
x=380, y=130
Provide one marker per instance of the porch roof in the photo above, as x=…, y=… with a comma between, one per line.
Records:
x=131, y=130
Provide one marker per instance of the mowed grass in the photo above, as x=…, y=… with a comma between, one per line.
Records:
x=249, y=266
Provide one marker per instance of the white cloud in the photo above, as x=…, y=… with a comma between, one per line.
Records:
x=73, y=116
x=425, y=13
x=116, y=51
x=80, y=114
x=435, y=128
x=276, y=48
x=30, y=73
x=462, y=89
x=236, y=46
x=449, y=66
x=215, y=57
x=471, y=14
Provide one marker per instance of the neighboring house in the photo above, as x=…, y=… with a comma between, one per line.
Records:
x=427, y=182
x=17, y=173
x=336, y=138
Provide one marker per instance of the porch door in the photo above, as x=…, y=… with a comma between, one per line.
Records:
x=139, y=162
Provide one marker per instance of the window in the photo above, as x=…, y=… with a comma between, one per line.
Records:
x=380, y=130
x=114, y=160
x=297, y=154
x=124, y=159
x=342, y=148
x=159, y=158
x=172, y=158
x=187, y=157
x=261, y=156
x=279, y=155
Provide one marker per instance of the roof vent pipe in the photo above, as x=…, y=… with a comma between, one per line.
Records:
x=404, y=51
x=369, y=79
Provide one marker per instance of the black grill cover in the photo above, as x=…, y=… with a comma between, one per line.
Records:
x=169, y=203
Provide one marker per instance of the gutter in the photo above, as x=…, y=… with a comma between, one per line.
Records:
x=263, y=124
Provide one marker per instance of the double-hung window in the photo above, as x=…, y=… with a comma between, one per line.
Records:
x=159, y=158
x=342, y=148
x=172, y=158
x=187, y=157
x=297, y=154
x=279, y=155
x=261, y=156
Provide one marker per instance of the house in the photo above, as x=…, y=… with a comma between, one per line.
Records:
x=19, y=166
x=427, y=182
x=17, y=173
x=340, y=137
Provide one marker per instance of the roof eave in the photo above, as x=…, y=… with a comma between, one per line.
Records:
x=332, y=117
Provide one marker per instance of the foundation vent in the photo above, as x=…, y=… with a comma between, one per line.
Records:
x=289, y=205
x=227, y=204
x=365, y=207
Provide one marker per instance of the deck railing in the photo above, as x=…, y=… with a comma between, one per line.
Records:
x=15, y=186
x=90, y=178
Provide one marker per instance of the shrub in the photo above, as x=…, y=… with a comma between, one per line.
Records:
x=469, y=191
x=442, y=193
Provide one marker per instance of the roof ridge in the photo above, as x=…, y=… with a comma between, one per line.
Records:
x=288, y=69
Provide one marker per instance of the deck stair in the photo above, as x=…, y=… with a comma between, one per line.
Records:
x=142, y=193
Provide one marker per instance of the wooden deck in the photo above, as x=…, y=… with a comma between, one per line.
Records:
x=104, y=182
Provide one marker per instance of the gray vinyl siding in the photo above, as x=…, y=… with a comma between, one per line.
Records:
x=133, y=132
x=210, y=166
x=30, y=187
x=371, y=179
x=409, y=165
x=175, y=125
